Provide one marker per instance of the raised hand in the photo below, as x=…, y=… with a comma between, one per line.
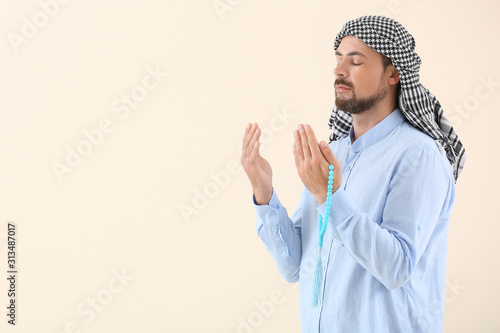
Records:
x=257, y=168
x=312, y=161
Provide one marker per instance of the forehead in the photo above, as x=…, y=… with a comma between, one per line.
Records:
x=352, y=44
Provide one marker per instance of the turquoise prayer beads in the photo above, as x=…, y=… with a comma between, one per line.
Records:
x=323, y=224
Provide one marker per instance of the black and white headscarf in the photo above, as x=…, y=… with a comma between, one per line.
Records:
x=417, y=104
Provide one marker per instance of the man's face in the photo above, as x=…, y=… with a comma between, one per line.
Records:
x=360, y=76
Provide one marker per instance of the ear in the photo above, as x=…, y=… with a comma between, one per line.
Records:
x=393, y=75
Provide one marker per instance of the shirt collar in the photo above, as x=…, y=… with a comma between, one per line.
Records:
x=377, y=132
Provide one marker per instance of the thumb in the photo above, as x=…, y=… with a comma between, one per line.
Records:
x=329, y=156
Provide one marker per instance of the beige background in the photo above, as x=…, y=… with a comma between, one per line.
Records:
x=119, y=209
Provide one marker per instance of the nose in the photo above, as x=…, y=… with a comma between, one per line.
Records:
x=340, y=70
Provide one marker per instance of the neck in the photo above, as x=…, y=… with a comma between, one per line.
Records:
x=364, y=121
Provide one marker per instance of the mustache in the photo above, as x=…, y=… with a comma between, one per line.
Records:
x=343, y=82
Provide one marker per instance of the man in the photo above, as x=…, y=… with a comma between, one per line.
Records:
x=395, y=156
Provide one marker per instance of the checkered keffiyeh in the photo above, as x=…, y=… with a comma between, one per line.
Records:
x=417, y=104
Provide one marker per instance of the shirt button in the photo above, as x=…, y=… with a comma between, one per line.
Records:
x=331, y=233
x=273, y=214
x=278, y=206
x=324, y=268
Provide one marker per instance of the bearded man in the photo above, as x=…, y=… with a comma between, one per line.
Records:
x=380, y=256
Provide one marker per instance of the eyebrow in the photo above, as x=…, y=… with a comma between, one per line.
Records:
x=353, y=53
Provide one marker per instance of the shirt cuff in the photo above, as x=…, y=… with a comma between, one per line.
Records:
x=269, y=212
x=341, y=209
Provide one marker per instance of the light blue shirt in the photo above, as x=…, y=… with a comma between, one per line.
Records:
x=384, y=252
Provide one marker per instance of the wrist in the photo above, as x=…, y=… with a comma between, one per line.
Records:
x=263, y=197
x=320, y=198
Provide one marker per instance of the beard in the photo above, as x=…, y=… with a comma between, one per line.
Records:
x=355, y=105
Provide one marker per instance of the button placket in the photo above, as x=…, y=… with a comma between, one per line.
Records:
x=350, y=166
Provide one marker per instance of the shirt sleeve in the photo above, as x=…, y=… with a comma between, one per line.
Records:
x=281, y=235
x=420, y=196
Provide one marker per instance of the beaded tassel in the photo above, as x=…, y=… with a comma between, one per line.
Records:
x=318, y=272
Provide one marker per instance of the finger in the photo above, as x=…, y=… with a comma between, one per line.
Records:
x=251, y=146
x=255, y=151
x=249, y=131
x=251, y=136
x=313, y=142
x=305, y=144
x=298, y=147
x=329, y=156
